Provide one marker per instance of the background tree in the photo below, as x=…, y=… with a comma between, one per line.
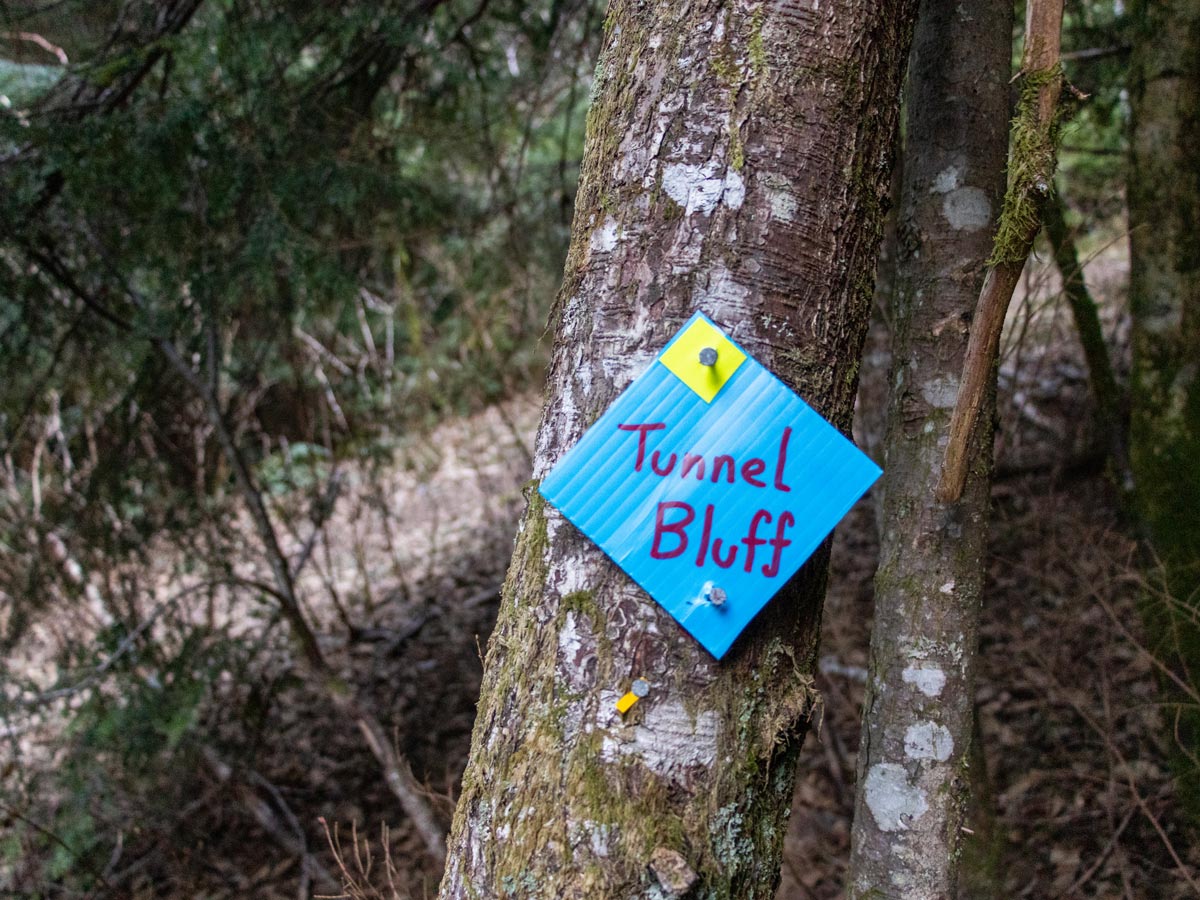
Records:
x=719, y=174
x=1164, y=208
x=918, y=714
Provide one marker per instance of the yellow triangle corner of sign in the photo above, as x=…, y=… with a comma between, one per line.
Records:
x=683, y=359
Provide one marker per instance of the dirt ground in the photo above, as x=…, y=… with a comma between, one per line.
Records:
x=1076, y=792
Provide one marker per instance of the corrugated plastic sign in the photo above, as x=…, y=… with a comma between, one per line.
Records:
x=709, y=482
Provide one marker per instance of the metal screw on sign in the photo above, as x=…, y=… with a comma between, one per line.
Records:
x=710, y=593
x=708, y=357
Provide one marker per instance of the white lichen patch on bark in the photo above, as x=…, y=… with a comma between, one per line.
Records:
x=606, y=237
x=928, y=740
x=722, y=296
x=699, y=188
x=576, y=657
x=781, y=199
x=967, y=209
x=784, y=206
x=591, y=834
x=964, y=208
x=940, y=392
x=928, y=680
x=568, y=579
x=1167, y=320
x=570, y=642
x=946, y=181
x=669, y=740
x=894, y=802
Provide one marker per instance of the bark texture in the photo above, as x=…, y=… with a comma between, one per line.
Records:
x=1164, y=219
x=918, y=713
x=1033, y=148
x=736, y=159
x=871, y=404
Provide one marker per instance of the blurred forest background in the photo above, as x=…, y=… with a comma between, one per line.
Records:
x=273, y=284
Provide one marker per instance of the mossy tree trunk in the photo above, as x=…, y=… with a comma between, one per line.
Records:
x=918, y=713
x=1164, y=220
x=1111, y=421
x=736, y=159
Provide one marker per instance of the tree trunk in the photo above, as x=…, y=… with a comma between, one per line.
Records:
x=870, y=406
x=737, y=156
x=918, y=712
x=1164, y=215
x=1032, y=156
x=1110, y=402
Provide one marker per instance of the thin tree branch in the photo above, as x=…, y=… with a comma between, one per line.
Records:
x=1093, y=53
x=31, y=37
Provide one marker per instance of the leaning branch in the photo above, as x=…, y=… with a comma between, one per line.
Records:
x=1031, y=161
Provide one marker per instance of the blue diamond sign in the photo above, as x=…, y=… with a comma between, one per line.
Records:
x=709, y=482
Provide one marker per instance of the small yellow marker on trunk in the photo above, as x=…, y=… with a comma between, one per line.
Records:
x=640, y=688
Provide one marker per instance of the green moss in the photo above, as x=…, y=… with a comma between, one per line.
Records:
x=724, y=67
x=805, y=367
x=1031, y=160
x=737, y=153
x=583, y=603
x=636, y=808
x=851, y=376
x=536, y=539
x=758, y=53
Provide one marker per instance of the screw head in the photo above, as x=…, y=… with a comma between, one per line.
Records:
x=717, y=597
x=640, y=687
x=708, y=357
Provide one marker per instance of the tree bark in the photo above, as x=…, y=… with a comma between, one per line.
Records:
x=918, y=713
x=1031, y=161
x=870, y=406
x=736, y=159
x=1164, y=212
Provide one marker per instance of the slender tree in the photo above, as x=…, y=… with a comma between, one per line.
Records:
x=736, y=161
x=1164, y=209
x=1033, y=154
x=917, y=718
x=1110, y=400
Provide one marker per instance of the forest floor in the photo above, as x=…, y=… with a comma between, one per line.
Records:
x=1074, y=772
x=1077, y=791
